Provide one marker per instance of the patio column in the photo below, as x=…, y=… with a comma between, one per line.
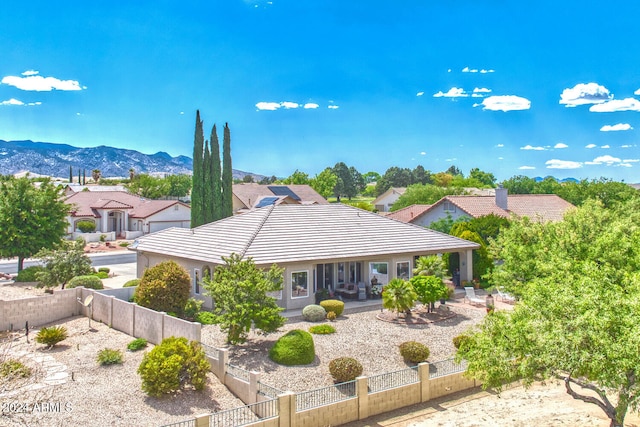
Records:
x=466, y=265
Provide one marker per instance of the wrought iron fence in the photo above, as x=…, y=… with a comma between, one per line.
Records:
x=446, y=367
x=238, y=372
x=210, y=351
x=185, y=423
x=245, y=414
x=267, y=390
x=325, y=396
x=394, y=379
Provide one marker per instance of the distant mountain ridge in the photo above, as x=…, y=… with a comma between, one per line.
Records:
x=46, y=158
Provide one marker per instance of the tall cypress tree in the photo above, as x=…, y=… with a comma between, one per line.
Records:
x=227, y=174
x=216, y=175
x=207, y=194
x=70, y=174
x=197, y=178
x=84, y=176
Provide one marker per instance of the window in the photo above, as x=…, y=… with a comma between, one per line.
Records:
x=340, y=273
x=299, y=284
x=402, y=270
x=378, y=273
x=449, y=207
x=355, y=272
x=196, y=281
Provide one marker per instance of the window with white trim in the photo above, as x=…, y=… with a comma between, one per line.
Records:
x=299, y=284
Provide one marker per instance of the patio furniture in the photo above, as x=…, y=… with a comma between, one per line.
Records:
x=505, y=297
x=348, y=290
x=470, y=295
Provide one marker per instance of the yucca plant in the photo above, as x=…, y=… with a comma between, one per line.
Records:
x=52, y=335
x=398, y=296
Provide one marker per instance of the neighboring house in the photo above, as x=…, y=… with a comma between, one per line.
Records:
x=250, y=195
x=407, y=214
x=385, y=200
x=319, y=246
x=120, y=214
x=538, y=207
x=70, y=189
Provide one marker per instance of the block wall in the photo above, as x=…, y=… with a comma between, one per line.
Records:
x=450, y=384
x=181, y=328
x=388, y=400
x=39, y=310
x=148, y=324
x=331, y=415
x=123, y=316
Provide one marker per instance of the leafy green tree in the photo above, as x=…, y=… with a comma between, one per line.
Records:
x=371, y=177
x=398, y=295
x=32, y=218
x=239, y=291
x=227, y=174
x=358, y=181
x=95, y=175
x=324, y=182
x=444, y=225
x=394, y=177
x=63, y=264
x=576, y=319
x=345, y=186
x=606, y=191
x=297, y=177
x=485, y=178
x=520, y=184
x=432, y=265
x=197, y=192
x=453, y=170
x=482, y=260
x=426, y=194
x=548, y=185
x=148, y=186
x=420, y=175
x=179, y=185
x=428, y=289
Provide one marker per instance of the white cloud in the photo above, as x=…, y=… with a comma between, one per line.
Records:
x=530, y=147
x=486, y=71
x=561, y=145
x=33, y=82
x=627, y=146
x=604, y=160
x=454, y=92
x=500, y=158
x=585, y=93
x=631, y=160
x=526, y=167
x=637, y=92
x=481, y=90
x=562, y=164
x=419, y=93
x=475, y=70
x=626, y=165
x=627, y=104
x=505, y=103
x=288, y=105
x=590, y=146
x=613, y=128
x=270, y=106
x=500, y=145
x=333, y=107
x=14, y=101
x=310, y=105
x=605, y=146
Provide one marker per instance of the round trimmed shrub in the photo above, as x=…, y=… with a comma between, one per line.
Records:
x=104, y=269
x=314, y=313
x=334, y=305
x=461, y=340
x=345, y=369
x=323, y=329
x=294, y=348
x=86, y=226
x=29, y=274
x=164, y=287
x=89, y=282
x=131, y=283
x=172, y=365
x=414, y=352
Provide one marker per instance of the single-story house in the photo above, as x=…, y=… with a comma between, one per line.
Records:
x=539, y=207
x=121, y=214
x=407, y=214
x=69, y=189
x=384, y=201
x=321, y=246
x=250, y=195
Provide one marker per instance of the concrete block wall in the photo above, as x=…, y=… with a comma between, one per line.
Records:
x=399, y=397
x=449, y=384
x=122, y=318
x=39, y=310
x=124, y=294
x=174, y=327
x=148, y=324
x=101, y=308
x=331, y=415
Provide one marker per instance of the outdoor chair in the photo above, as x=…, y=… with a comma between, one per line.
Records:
x=470, y=295
x=505, y=297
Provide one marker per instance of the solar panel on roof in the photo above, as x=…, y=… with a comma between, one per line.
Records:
x=282, y=190
x=267, y=201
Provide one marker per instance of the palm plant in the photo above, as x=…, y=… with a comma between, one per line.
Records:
x=430, y=266
x=398, y=296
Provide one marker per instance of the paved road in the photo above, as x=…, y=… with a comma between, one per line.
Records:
x=98, y=260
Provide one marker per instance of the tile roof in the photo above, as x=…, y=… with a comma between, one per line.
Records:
x=86, y=203
x=250, y=193
x=407, y=214
x=293, y=233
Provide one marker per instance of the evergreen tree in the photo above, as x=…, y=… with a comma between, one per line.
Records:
x=216, y=175
x=197, y=187
x=79, y=180
x=70, y=174
x=207, y=194
x=84, y=177
x=227, y=174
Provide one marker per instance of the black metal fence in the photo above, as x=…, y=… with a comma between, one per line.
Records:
x=245, y=414
x=325, y=396
x=394, y=379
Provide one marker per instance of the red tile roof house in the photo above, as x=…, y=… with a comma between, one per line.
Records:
x=540, y=207
x=121, y=214
x=319, y=246
x=249, y=195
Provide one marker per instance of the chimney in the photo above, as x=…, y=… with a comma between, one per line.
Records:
x=502, y=197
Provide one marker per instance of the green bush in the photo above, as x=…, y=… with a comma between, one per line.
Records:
x=461, y=340
x=86, y=226
x=131, y=283
x=164, y=287
x=323, y=329
x=103, y=237
x=29, y=274
x=414, y=352
x=206, y=318
x=13, y=368
x=123, y=244
x=137, y=344
x=294, y=348
x=52, y=335
x=89, y=282
x=313, y=313
x=334, y=305
x=101, y=275
x=104, y=269
x=191, y=308
x=345, y=369
x=172, y=365
x=331, y=316
x=109, y=356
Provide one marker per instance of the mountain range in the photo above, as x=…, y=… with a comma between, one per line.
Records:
x=46, y=158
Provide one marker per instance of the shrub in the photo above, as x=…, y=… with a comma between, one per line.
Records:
x=294, y=348
x=398, y=296
x=109, y=356
x=123, y=244
x=89, y=282
x=191, y=308
x=334, y=305
x=131, y=283
x=461, y=340
x=101, y=275
x=414, y=352
x=164, y=287
x=429, y=289
x=323, y=329
x=345, y=369
x=313, y=313
x=206, y=318
x=13, y=368
x=86, y=226
x=103, y=237
x=137, y=344
x=29, y=274
x=52, y=335
x=104, y=269
x=172, y=365
x=331, y=316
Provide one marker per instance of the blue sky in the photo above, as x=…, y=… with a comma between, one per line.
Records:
x=550, y=88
